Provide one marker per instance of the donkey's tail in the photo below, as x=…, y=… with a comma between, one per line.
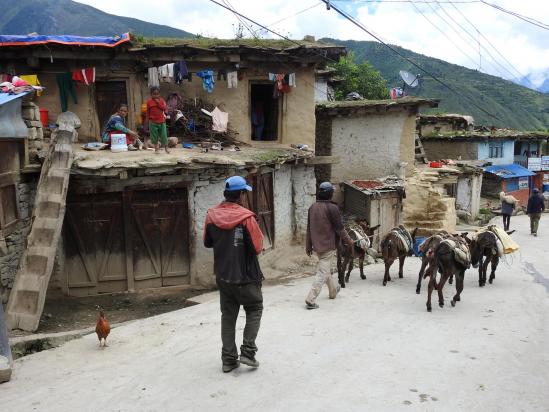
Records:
x=387, y=247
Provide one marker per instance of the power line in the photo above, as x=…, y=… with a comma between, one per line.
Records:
x=517, y=15
x=443, y=33
x=363, y=28
x=520, y=75
x=495, y=62
x=296, y=14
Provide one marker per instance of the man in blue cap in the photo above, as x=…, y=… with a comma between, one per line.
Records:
x=535, y=208
x=233, y=233
x=324, y=232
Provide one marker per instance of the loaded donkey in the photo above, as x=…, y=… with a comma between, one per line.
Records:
x=487, y=247
x=362, y=236
x=451, y=258
x=398, y=243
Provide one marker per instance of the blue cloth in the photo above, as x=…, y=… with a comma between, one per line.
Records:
x=11, y=40
x=208, y=81
x=535, y=204
x=180, y=72
x=115, y=123
x=6, y=97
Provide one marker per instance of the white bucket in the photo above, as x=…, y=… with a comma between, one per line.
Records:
x=118, y=143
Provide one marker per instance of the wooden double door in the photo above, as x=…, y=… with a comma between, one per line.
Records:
x=129, y=240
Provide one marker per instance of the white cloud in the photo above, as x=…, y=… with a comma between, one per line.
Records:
x=524, y=45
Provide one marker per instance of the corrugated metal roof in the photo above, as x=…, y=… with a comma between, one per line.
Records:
x=509, y=171
x=6, y=97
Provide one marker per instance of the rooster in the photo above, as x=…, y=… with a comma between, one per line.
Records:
x=102, y=328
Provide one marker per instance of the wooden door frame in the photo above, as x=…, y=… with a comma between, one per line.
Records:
x=127, y=79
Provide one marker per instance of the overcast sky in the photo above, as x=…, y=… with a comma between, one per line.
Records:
x=524, y=45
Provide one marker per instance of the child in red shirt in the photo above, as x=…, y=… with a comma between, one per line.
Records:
x=156, y=116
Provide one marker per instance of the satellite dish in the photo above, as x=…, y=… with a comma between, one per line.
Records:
x=409, y=79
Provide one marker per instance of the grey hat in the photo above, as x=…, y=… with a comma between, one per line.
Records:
x=326, y=187
x=535, y=190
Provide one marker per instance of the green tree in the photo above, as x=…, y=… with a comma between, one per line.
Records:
x=361, y=78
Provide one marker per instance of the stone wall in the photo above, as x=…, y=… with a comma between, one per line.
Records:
x=30, y=113
x=369, y=146
x=294, y=192
x=13, y=245
x=446, y=149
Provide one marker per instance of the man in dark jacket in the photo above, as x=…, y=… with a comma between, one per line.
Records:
x=535, y=208
x=233, y=233
x=324, y=231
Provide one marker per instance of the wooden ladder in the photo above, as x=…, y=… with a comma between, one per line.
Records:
x=27, y=297
x=420, y=152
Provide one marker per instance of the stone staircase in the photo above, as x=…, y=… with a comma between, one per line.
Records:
x=29, y=291
x=427, y=206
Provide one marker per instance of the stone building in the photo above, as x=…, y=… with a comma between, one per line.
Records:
x=367, y=139
x=134, y=220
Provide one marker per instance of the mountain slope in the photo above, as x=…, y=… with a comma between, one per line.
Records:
x=70, y=17
x=515, y=106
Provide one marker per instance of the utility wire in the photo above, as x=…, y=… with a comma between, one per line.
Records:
x=363, y=28
x=296, y=14
x=443, y=33
x=505, y=72
x=489, y=42
x=517, y=15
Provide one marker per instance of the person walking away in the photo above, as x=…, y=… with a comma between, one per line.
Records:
x=156, y=118
x=507, y=208
x=535, y=208
x=324, y=231
x=234, y=234
x=117, y=125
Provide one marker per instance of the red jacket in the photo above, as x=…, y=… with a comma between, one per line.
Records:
x=232, y=231
x=156, y=110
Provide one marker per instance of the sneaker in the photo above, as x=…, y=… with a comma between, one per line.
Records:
x=251, y=362
x=535, y=234
x=131, y=148
x=229, y=367
x=312, y=305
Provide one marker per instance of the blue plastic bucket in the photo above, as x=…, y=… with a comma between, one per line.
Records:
x=545, y=188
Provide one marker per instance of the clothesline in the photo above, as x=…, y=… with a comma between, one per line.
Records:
x=177, y=72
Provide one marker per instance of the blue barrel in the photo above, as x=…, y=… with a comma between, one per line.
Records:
x=419, y=241
x=545, y=188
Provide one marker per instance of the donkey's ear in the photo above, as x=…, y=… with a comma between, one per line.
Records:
x=415, y=232
x=464, y=234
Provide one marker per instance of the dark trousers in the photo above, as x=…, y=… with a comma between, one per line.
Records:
x=231, y=297
x=506, y=221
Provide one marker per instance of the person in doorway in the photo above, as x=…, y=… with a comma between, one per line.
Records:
x=156, y=118
x=507, y=206
x=535, y=208
x=324, y=232
x=234, y=234
x=117, y=125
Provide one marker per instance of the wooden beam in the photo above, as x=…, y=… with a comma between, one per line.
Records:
x=322, y=160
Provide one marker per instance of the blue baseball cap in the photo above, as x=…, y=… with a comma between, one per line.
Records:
x=234, y=183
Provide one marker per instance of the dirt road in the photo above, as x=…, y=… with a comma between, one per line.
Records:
x=373, y=348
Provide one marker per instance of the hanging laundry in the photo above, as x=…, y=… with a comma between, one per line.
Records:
x=221, y=74
x=180, y=72
x=208, y=81
x=291, y=79
x=281, y=84
x=153, y=78
x=232, y=80
x=66, y=88
x=84, y=76
x=220, y=120
x=396, y=92
x=166, y=73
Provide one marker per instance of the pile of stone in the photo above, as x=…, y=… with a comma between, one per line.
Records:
x=31, y=115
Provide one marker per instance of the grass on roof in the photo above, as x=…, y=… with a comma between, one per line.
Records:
x=208, y=42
